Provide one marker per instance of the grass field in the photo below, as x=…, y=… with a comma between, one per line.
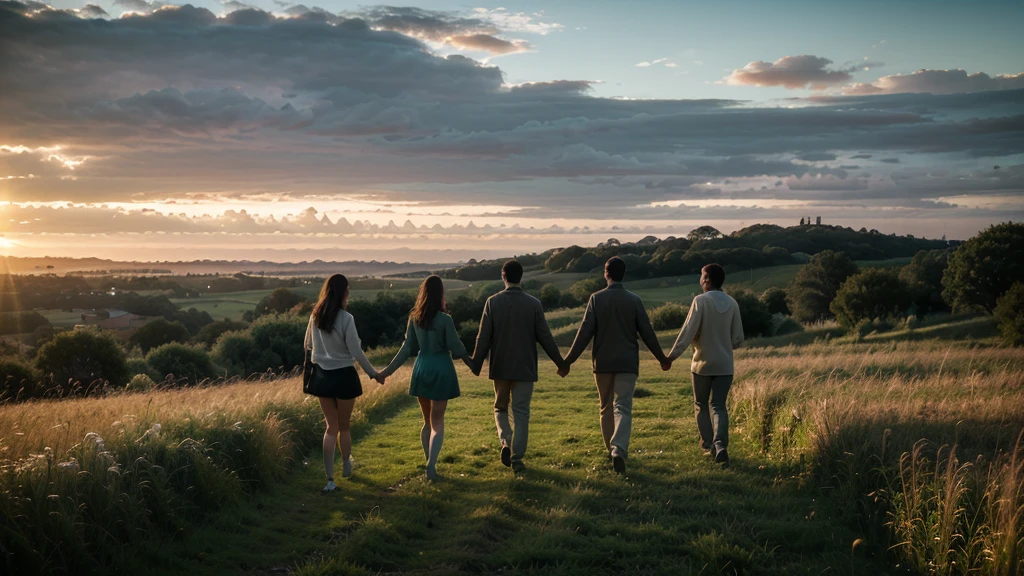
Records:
x=819, y=484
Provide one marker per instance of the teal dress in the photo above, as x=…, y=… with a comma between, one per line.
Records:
x=433, y=375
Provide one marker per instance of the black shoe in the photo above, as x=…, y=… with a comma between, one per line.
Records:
x=619, y=464
x=722, y=457
x=506, y=456
x=518, y=468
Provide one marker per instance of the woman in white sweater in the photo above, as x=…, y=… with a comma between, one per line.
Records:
x=331, y=336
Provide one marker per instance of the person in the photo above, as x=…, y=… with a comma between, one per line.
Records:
x=613, y=318
x=431, y=335
x=715, y=328
x=334, y=348
x=511, y=327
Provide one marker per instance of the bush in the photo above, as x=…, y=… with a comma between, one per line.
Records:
x=757, y=321
x=782, y=325
x=140, y=383
x=872, y=293
x=669, y=316
x=272, y=343
x=872, y=325
x=550, y=296
x=924, y=277
x=157, y=333
x=775, y=300
x=280, y=301
x=467, y=334
x=236, y=352
x=138, y=366
x=816, y=284
x=21, y=322
x=209, y=334
x=82, y=358
x=18, y=381
x=1009, y=315
x=582, y=290
x=183, y=361
x=983, y=268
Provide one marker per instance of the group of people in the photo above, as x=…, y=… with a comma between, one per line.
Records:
x=511, y=328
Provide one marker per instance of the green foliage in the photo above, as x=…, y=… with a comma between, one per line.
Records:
x=559, y=261
x=757, y=320
x=582, y=289
x=924, y=278
x=816, y=284
x=1009, y=314
x=550, y=296
x=702, y=233
x=783, y=325
x=273, y=343
x=157, y=333
x=280, y=301
x=21, y=322
x=668, y=316
x=139, y=366
x=193, y=319
x=208, y=335
x=140, y=383
x=774, y=299
x=382, y=321
x=467, y=334
x=183, y=361
x=18, y=380
x=871, y=293
x=81, y=360
x=983, y=268
x=236, y=352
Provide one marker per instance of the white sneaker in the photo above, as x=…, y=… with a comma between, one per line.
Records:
x=346, y=468
x=331, y=487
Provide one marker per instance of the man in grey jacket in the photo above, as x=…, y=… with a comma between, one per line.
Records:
x=511, y=327
x=613, y=318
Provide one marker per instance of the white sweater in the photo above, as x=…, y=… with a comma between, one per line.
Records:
x=714, y=327
x=339, y=348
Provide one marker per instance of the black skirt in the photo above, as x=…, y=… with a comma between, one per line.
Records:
x=342, y=383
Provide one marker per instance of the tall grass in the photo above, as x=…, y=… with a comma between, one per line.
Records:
x=87, y=484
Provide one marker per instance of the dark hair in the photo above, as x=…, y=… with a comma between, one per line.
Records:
x=331, y=301
x=616, y=268
x=716, y=274
x=513, y=271
x=429, y=302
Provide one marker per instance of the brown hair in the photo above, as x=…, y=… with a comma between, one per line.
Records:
x=332, y=300
x=716, y=274
x=429, y=302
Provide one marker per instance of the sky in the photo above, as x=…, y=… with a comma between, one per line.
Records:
x=443, y=131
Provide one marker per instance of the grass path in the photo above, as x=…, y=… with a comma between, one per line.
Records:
x=673, y=513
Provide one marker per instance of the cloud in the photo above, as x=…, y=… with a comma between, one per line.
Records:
x=938, y=82
x=793, y=72
x=477, y=33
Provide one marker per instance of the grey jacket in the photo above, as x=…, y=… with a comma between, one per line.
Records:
x=511, y=327
x=613, y=319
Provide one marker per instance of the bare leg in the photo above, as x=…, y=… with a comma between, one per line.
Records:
x=425, y=430
x=330, y=409
x=345, y=434
x=436, y=435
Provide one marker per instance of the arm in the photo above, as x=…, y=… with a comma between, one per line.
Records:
x=307, y=342
x=451, y=339
x=409, y=347
x=737, y=329
x=688, y=331
x=647, y=333
x=587, y=328
x=483, y=339
x=355, y=348
x=546, y=340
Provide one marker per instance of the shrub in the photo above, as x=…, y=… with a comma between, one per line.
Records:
x=467, y=334
x=775, y=300
x=82, y=358
x=236, y=352
x=208, y=335
x=139, y=366
x=757, y=321
x=983, y=268
x=668, y=316
x=21, y=322
x=1009, y=314
x=280, y=301
x=18, y=381
x=782, y=325
x=872, y=325
x=924, y=277
x=872, y=293
x=157, y=333
x=550, y=296
x=816, y=284
x=183, y=361
x=140, y=383
x=582, y=290
x=272, y=343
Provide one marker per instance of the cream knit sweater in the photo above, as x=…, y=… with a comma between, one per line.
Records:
x=713, y=326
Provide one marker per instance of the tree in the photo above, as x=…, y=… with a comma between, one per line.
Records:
x=280, y=301
x=157, y=333
x=869, y=294
x=775, y=300
x=757, y=321
x=703, y=233
x=983, y=268
x=18, y=381
x=816, y=284
x=1009, y=315
x=82, y=358
x=182, y=361
x=924, y=278
x=208, y=335
x=668, y=316
x=584, y=288
x=550, y=295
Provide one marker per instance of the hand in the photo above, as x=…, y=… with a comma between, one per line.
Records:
x=666, y=364
x=380, y=377
x=563, y=371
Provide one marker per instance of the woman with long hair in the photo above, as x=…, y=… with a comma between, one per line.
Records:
x=335, y=348
x=432, y=336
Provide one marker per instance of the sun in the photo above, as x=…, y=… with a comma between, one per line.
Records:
x=6, y=244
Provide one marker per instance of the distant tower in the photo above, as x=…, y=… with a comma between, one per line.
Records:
x=818, y=223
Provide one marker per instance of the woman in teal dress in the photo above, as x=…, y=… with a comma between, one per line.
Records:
x=431, y=335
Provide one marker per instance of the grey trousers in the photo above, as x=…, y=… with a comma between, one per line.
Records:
x=616, y=392
x=712, y=424
x=520, y=394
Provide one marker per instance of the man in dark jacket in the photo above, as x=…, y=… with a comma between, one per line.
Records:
x=511, y=327
x=613, y=318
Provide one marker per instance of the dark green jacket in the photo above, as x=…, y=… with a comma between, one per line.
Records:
x=510, y=329
x=613, y=319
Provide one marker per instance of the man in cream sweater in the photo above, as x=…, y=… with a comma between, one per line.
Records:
x=715, y=329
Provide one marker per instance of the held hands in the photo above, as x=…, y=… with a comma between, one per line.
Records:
x=380, y=377
x=666, y=364
x=563, y=370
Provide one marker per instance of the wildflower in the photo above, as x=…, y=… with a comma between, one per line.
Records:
x=97, y=439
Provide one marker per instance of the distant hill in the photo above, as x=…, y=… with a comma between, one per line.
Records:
x=17, y=265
